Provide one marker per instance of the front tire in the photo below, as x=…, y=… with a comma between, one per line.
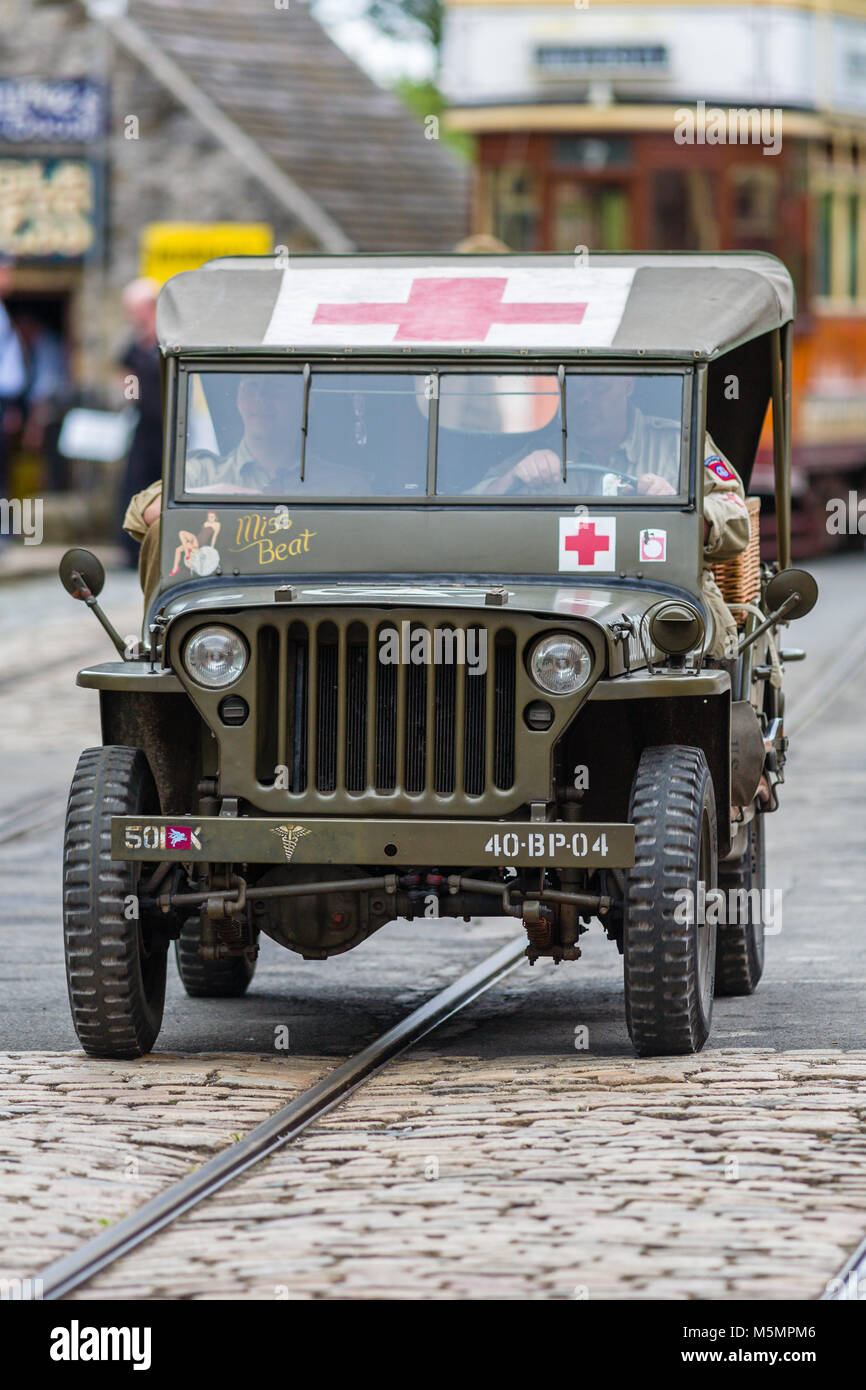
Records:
x=115, y=962
x=668, y=953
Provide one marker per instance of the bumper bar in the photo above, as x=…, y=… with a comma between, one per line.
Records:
x=346, y=840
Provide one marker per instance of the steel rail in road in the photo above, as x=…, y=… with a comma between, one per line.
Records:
x=66, y=1274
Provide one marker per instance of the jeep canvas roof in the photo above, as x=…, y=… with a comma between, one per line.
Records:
x=677, y=306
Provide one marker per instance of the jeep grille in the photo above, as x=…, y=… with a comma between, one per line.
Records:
x=354, y=723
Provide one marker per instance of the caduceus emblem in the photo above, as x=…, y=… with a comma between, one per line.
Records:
x=290, y=835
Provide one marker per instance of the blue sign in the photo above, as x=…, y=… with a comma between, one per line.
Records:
x=70, y=110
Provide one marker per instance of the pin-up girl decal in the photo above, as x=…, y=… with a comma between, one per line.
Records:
x=199, y=553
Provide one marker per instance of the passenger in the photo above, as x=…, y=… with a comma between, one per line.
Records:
x=265, y=462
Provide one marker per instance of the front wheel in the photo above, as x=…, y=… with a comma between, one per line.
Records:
x=115, y=957
x=669, y=948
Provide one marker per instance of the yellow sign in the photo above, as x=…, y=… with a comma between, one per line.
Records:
x=167, y=248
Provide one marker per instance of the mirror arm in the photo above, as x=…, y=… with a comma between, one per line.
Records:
x=92, y=603
x=765, y=626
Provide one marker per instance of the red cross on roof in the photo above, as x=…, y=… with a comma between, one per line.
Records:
x=587, y=543
x=450, y=309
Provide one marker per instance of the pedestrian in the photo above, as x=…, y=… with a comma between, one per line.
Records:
x=140, y=365
x=13, y=376
x=46, y=394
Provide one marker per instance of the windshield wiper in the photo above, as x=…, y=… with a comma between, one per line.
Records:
x=305, y=418
x=561, y=374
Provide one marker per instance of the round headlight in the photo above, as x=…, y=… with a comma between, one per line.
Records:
x=560, y=664
x=215, y=656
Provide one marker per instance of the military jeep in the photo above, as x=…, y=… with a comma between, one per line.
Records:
x=417, y=643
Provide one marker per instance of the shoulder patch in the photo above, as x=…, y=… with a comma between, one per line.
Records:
x=718, y=466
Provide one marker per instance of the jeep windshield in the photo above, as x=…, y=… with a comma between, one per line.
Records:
x=322, y=433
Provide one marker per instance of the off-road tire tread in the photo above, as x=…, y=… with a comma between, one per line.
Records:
x=659, y=954
x=116, y=1011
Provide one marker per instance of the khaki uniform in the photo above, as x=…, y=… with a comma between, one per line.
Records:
x=653, y=446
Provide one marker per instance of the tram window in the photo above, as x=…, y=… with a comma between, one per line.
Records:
x=587, y=213
x=824, y=211
x=853, y=244
x=755, y=199
x=685, y=214
x=514, y=201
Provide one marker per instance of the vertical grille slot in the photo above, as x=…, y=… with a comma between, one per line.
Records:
x=504, y=695
x=327, y=699
x=416, y=725
x=267, y=697
x=444, y=728
x=356, y=709
x=386, y=720
x=297, y=674
x=474, y=721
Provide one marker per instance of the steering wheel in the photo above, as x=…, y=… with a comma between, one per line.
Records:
x=519, y=486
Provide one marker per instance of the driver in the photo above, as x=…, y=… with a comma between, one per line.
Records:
x=616, y=436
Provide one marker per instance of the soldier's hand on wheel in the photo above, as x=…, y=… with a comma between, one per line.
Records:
x=653, y=485
x=541, y=468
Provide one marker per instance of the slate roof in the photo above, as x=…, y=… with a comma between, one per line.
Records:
x=348, y=143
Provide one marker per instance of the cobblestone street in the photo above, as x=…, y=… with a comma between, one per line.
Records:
x=736, y=1175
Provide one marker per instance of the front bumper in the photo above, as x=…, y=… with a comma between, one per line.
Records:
x=347, y=840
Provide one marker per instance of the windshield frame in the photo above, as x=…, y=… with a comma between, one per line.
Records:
x=430, y=365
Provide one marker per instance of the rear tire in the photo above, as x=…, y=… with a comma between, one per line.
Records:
x=669, y=964
x=115, y=963
x=209, y=979
x=740, y=945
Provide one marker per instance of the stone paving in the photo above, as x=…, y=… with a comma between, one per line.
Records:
x=737, y=1174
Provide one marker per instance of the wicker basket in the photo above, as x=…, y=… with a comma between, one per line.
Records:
x=740, y=578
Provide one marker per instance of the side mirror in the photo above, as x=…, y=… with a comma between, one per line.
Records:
x=787, y=583
x=81, y=564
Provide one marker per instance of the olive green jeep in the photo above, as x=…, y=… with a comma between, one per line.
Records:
x=429, y=630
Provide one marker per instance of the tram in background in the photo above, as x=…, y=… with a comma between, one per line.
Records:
x=689, y=126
